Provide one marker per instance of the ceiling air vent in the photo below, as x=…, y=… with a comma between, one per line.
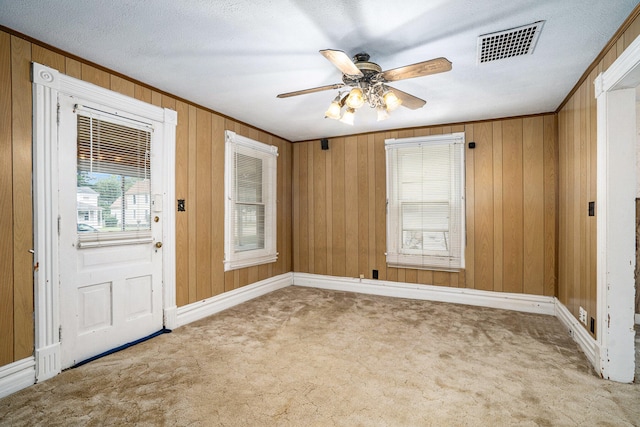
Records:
x=508, y=43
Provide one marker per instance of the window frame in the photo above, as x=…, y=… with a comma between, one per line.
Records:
x=454, y=258
x=234, y=259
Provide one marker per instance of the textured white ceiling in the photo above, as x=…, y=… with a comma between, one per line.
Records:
x=235, y=56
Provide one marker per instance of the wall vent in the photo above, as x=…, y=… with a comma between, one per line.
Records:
x=508, y=43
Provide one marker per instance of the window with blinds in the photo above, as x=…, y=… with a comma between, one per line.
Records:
x=248, y=233
x=425, y=199
x=250, y=202
x=113, y=180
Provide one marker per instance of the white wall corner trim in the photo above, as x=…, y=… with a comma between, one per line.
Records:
x=201, y=309
x=506, y=301
x=580, y=335
x=17, y=375
x=615, y=219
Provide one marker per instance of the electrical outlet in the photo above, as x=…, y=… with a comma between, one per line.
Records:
x=583, y=315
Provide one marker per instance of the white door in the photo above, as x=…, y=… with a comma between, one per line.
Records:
x=110, y=228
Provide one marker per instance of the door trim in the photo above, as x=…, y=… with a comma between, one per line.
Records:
x=616, y=185
x=48, y=83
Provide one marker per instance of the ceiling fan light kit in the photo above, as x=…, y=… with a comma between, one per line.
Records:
x=367, y=82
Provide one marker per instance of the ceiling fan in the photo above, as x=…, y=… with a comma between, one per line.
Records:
x=367, y=82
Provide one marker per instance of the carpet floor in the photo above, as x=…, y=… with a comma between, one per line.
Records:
x=311, y=357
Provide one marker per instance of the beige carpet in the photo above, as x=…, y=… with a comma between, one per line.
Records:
x=301, y=356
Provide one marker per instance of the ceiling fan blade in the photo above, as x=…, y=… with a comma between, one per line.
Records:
x=315, y=89
x=409, y=101
x=433, y=66
x=342, y=61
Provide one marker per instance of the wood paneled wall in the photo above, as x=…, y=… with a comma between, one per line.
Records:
x=199, y=174
x=577, y=139
x=339, y=207
x=16, y=263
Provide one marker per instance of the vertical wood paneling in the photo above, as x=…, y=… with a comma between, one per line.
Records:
x=582, y=208
x=483, y=206
x=320, y=208
x=199, y=171
x=73, y=68
x=498, y=236
x=217, y=205
x=381, y=206
x=550, y=204
x=310, y=207
x=351, y=206
x=363, y=206
x=470, y=208
x=591, y=232
x=329, y=208
x=47, y=57
x=144, y=94
x=204, y=207
x=339, y=241
x=498, y=227
x=371, y=187
x=512, y=205
x=533, y=204
x=6, y=206
x=191, y=203
x=295, y=188
x=303, y=198
x=21, y=107
x=123, y=86
x=182, y=192
x=93, y=75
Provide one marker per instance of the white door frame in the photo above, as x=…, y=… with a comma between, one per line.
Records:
x=615, y=215
x=47, y=84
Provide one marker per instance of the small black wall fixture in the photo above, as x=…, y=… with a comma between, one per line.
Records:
x=324, y=143
x=472, y=145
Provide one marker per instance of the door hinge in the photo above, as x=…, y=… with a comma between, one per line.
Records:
x=58, y=114
x=60, y=333
x=59, y=219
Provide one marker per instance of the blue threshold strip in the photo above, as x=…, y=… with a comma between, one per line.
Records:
x=122, y=347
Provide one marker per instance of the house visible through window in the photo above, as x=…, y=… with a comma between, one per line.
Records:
x=113, y=178
x=250, y=211
x=425, y=196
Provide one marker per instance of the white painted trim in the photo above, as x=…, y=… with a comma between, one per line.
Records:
x=580, y=335
x=199, y=310
x=45, y=212
x=47, y=85
x=616, y=182
x=169, y=219
x=17, y=375
x=506, y=301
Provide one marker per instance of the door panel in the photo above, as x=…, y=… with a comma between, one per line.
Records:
x=110, y=267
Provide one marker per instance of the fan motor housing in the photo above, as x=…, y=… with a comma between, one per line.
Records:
x=369, y=69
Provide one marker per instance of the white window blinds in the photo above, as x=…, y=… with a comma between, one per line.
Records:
x=250, y=202
x=425, y=196
x=113, y=180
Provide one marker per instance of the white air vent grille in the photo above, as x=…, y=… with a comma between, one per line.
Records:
x=508, y=43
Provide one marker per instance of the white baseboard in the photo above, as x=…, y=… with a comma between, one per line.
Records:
x=171, y=317
x=17, y=375
x=580, y=335
x=201, y=309
x=507, y=301
x=48, y=363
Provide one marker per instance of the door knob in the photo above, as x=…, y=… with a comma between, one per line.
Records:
x=158, y=244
